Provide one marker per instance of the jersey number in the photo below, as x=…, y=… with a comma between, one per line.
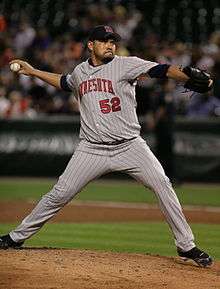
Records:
x=108, y=105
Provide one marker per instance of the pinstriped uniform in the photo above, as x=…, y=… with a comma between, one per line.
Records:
x=122, y=73
x=110, y=141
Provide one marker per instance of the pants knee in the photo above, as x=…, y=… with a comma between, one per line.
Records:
x=59, y=195
x=161, y=182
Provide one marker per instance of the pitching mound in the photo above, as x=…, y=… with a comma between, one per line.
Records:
x=75, y=269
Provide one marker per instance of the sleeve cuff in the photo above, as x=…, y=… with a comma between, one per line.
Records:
x=64, y=84
x=159, y=71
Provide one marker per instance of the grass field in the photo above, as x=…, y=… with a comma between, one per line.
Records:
x=154, y=238
x=189, y=194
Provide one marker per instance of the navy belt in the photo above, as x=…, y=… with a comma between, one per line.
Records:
x=117, y=142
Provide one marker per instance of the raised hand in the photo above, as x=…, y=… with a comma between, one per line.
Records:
x=25, y=67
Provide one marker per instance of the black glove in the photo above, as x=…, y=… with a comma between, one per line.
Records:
x=199, y=80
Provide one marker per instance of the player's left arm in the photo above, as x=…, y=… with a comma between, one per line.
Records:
x=193, y=78
x=176, y=73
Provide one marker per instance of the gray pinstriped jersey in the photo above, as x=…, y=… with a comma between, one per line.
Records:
x=108, y=113
x=106, y=95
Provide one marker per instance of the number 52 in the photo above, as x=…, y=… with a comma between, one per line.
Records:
x=110, y=105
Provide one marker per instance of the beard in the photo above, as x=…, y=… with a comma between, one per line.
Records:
x=107, y=59
x=103, y=57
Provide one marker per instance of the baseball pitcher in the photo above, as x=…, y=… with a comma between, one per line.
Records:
x=104, y=86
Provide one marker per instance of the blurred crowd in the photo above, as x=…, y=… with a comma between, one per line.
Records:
x=22, y=96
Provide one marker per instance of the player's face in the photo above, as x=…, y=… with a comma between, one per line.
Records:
x=103, y=50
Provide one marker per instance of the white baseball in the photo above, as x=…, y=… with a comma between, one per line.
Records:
x=15, y=67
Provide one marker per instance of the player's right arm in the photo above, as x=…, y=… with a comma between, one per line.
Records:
x=57, y=80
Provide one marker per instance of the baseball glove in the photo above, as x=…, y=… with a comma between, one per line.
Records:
x=199, y=80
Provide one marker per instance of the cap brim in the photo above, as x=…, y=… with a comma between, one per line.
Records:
x=113, y=36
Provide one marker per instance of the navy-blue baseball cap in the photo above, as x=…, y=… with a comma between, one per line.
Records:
x=103, y=32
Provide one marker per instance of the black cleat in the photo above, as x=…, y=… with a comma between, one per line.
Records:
x=201, y=258
x=7, y=242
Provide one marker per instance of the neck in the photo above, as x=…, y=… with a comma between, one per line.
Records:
x=95, y=62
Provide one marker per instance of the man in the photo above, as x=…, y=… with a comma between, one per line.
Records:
x=110, y=137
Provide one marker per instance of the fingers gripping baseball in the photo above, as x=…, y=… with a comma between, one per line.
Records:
x=21, y=67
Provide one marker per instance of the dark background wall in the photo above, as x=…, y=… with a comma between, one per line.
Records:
x=43, y=147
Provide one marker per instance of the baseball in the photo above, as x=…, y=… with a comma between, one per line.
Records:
x=15, y=67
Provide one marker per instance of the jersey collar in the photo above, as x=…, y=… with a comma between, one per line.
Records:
x=91, y=63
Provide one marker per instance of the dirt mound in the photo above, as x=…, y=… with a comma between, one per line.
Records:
x=75, y=269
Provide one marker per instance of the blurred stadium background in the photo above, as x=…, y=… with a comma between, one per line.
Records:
x=40, y=124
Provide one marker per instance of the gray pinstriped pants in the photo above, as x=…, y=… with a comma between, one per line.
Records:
x=93, y=160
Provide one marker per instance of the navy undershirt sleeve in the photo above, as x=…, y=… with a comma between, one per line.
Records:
x=158, y=71
x=64, y=84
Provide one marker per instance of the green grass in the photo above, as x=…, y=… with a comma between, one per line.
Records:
x=189, y=194
x=154, y=238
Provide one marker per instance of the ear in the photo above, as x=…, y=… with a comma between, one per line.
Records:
x=90, y=45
